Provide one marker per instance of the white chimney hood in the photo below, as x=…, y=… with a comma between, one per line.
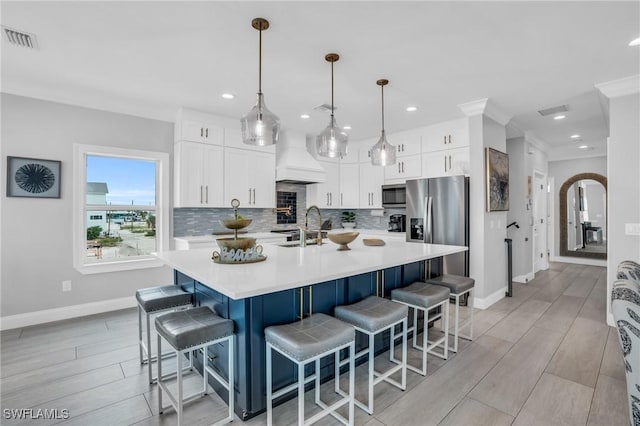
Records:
x=294, y=163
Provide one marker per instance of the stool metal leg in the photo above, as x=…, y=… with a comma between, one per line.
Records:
x=180, y=400
x=160, y=410
x=148, y=321
x=140, y=334
x=371, y=370
x=300, y=393
x=352, y=382
x=269, y=387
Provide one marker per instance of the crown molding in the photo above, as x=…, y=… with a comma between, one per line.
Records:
x=485, y=107
x=621, y=87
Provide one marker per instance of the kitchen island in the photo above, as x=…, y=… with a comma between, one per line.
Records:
x=293, y=281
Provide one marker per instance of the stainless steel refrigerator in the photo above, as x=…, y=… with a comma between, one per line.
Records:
x=438, y=213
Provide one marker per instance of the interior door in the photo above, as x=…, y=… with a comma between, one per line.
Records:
x=539, y=212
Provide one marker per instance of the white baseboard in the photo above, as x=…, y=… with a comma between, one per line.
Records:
x=579, y=260
x=524, y=278
x=57, y=314
x=489, y=300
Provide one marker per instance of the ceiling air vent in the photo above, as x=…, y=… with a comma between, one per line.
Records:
x=554, y=110
x=325, y=108
x=19, y=38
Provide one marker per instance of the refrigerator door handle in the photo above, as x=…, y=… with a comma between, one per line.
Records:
x=428, y=234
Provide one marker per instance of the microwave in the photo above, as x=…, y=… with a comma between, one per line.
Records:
x=394, y=195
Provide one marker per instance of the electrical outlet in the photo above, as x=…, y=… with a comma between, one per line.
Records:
x=66, y=285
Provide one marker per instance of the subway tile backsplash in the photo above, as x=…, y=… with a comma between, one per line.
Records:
x=198, y=221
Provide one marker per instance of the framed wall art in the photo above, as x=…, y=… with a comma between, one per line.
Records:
x=497, y=180
x=34, y=178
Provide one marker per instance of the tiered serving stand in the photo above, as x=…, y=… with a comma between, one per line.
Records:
x=237, y=250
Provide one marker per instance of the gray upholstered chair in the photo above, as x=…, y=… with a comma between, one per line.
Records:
x=625, y=306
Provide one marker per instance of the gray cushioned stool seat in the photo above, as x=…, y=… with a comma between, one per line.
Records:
x=192, y=327
x=165, y=297
x=372, y=314
x=456, y=283
x=312, y=336
x=421, y=294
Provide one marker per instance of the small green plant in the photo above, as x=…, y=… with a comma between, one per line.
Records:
x=93, y=232
x=348, y=216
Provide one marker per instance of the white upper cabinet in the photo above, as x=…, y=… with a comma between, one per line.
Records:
x=448, y=135
x=199, y=131
x=407, y=143
x=250, y=177
x=371, y=180
x=326, y=195
x=349, y=185
x=405, y=168
x=449, y=162
x=198, y=175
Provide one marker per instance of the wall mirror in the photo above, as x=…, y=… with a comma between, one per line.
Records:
x=583, y=216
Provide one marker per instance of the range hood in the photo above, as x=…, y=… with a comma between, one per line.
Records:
x=294, y=164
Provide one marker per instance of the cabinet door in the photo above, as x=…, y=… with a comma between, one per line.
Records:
x=405, y=168
x=449, y=135
x=349, y=185
x=262, y=179
x=196, y=131
x=407, y=143
x=458, y=161
x=434, y=164
x=333, y=184
x=213, y=175
x=188, y=175
x=236, y=177
x=371, y=180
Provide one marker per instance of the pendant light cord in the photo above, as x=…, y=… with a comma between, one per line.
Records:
x=382, y=88
x=331, y=89
x=260, y=62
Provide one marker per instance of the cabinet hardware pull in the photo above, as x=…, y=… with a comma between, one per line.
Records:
x=206, y=200
x=201, y=132
x=403, y=167
x=402, y=147
x=398, y=167
x=200, y=194
x=254, y=196
x=445, y=139
x=249, y=195
x=372, y=198
x=449, y=138
x=310, y=300
x=301, y=303
x=449, y=162
x=382, y=274
x=331, y=198
x=445, y=163
x=206, y=133
x=327, y=198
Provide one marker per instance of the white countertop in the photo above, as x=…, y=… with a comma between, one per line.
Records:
x=292, y=267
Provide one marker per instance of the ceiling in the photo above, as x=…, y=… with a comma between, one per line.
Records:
x=150, y=58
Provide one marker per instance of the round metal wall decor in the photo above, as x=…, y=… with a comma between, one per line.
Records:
x=35, y=178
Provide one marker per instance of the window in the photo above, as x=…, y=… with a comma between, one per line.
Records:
x=121, y=212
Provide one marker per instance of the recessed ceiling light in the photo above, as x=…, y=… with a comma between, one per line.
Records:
x=305, y=116
x=635, y=42
x=228, y=96
x=576, y=136
x=559, y=117
x=411, y=109
x=583, y=146
x=347, y=127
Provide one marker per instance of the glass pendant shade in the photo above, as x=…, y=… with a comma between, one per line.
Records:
x=332, y=141
x=383, y=153
x=260, y=126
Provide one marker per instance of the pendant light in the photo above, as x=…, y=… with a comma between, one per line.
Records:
x=383, y=153
x=260, y=126
x=332, y=142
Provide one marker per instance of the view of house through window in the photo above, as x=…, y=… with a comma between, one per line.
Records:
x=120, y=208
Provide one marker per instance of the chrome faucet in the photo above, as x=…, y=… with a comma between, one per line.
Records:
x=306, y=223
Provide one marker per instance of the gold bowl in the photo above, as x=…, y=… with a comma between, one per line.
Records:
x=241, y=243
x=236, y=223
x=342, y=239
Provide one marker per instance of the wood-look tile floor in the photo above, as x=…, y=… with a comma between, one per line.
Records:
x=543, y=357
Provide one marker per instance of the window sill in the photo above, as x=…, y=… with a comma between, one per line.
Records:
x=117, y=266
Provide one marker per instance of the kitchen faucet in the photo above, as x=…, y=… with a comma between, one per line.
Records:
x=306, y=225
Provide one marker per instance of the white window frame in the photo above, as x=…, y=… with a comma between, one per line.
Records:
x=80, y=153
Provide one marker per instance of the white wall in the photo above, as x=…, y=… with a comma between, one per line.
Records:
x=623, y=163
x=37, y=233
x=563, y=170
x=487, y=249
x=518, y=212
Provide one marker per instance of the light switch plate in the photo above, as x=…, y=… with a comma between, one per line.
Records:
x=632, y=228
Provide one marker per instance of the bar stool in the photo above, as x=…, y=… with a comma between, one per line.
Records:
x=304, y=342
x=153, y=301
x=371, y=316
x=425, y=298
x=187, y=331
x=458, y=286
